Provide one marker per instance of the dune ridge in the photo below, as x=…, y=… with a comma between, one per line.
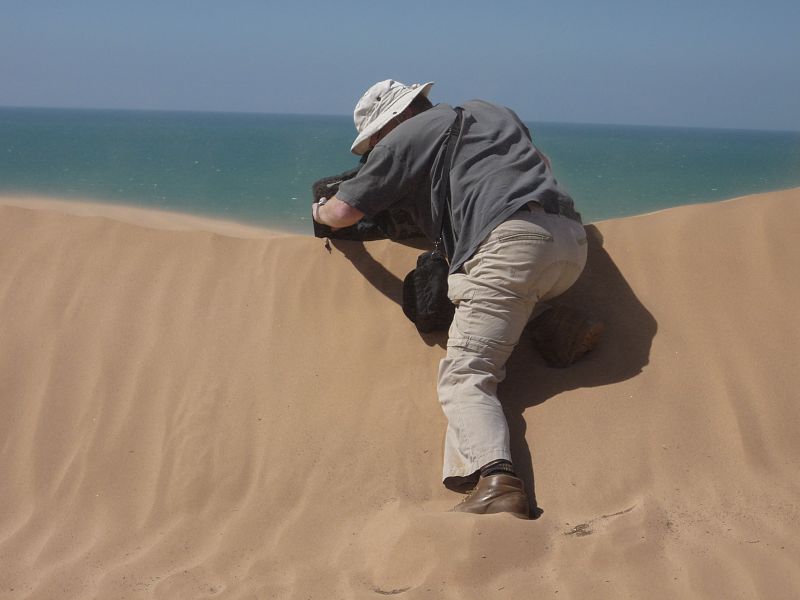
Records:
x=186, y=412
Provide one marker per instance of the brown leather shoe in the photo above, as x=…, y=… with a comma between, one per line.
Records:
x=562, y=335
x=495, y=494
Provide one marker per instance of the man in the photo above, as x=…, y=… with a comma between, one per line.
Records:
x=517, y=241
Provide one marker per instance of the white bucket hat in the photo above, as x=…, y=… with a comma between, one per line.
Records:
x=379, y=105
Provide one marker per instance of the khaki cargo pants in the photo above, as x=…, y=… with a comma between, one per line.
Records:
x=533, y=256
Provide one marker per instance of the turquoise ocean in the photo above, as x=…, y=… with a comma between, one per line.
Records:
x=258, y=168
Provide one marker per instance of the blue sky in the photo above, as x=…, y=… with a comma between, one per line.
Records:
x=702, y=63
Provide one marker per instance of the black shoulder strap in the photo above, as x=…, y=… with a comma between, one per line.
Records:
x=447, y=236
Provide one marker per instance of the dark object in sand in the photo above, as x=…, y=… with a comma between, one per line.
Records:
x=562, y=335
x=394, y=224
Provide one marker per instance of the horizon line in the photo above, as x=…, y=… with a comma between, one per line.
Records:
x=340, y=115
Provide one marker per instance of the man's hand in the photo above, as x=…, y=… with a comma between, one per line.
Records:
x=334, y=213
x=315, y=209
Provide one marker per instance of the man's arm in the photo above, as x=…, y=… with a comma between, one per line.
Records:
x=335, y=213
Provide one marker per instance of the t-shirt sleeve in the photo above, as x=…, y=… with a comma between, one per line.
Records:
x=381, y=182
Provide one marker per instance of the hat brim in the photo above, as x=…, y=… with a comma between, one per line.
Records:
x=361, y=143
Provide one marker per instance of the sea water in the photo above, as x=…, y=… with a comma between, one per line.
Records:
x=258, y=168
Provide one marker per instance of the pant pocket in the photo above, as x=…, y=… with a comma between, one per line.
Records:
x=527, y=235
x=459, y=288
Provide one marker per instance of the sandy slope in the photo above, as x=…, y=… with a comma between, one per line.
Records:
x=186, y=414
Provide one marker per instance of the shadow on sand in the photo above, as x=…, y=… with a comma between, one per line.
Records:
x=600, y=291
x=375, y=273
x=622, y=353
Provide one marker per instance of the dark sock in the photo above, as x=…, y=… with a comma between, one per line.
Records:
x=498, y=467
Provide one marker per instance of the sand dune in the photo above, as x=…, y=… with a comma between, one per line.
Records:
x=187, y=413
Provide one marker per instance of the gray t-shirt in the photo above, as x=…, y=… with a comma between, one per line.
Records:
x=496, y=171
